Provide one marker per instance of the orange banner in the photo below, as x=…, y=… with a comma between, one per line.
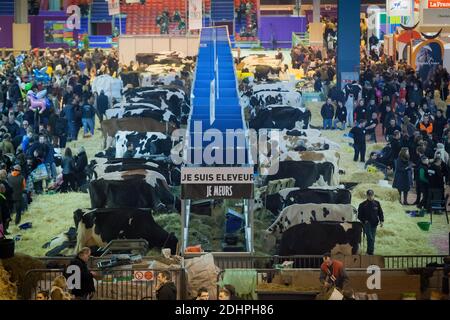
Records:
x=438, y=4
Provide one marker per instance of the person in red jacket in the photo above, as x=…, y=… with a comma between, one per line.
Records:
x=332, y=272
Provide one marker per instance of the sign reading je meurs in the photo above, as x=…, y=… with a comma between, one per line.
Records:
x=217, y=183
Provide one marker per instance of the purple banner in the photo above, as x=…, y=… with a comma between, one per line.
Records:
x=6, y=35
x=277, y=30
x=323, y=13
x=38, y=30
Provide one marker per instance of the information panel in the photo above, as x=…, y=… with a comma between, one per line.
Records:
x=217, y=183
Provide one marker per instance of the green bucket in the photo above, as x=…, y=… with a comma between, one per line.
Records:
x=425, y=226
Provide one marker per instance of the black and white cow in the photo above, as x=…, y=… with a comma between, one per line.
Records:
x=133, y=189
x=275, y=203
x=305, y=173
x=118, y=110
x=281, y=117
x=164, y=97
x=130, y=78
x=173, y=59
x=97, y=227
x=275, y=93
x=172, y=173
x=318, y=238
x=323, y=156
x=142, y=111
x=263, y=99
x=145, y=144
x=308, y=213
x=287, y=142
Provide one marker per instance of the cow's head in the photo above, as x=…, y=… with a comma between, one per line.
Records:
x=78, y=217
x=86, y=217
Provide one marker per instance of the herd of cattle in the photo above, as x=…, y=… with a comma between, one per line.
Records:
x=311, y=215
x=120, y=188
x=145, y=118
x=158, y=68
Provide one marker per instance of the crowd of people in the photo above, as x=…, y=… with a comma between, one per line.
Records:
x=393, y=103
x=30, y=136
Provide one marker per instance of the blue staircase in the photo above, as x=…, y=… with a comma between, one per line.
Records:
x=124, y=23
x=215, y=46
x=6, y=7
x=222, y=10
x=99, y=11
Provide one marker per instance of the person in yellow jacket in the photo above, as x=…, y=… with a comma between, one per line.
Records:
x=244, y=73
x=49, y=70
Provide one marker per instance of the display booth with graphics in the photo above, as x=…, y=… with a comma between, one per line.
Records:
x=427, y=56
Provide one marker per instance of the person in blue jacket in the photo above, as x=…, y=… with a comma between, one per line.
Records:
x=68, y=112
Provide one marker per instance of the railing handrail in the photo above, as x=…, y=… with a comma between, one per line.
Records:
x=249, y=254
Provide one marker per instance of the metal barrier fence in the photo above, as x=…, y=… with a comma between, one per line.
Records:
x=245, y=260
x=257, y=262
x=404, y=262
x=115, y=284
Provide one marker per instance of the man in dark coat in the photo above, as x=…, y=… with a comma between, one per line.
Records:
x=371, y=215
x=327, y=113
x=87, y=287
x=359, y=141
x=166, y=289
x=439, y=125
x=9, y=205
x=81, y=162
x=61, y=131
x=14, y=95
x=5, y=215
x=68, y=112
x=17, y=183
x=12, y=126
x=102, y=105
x=437, y=173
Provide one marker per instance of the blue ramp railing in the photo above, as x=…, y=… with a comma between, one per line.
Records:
x=215, y=105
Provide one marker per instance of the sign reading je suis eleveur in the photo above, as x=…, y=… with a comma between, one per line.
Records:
x=216, y=183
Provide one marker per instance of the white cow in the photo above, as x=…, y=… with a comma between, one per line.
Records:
x=307, y=213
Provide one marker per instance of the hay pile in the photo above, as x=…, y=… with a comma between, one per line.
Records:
x=204, y=230
x=50, y=215
x=400, y=233
x=8, y=289
x=17, y=267
x=385, y=194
